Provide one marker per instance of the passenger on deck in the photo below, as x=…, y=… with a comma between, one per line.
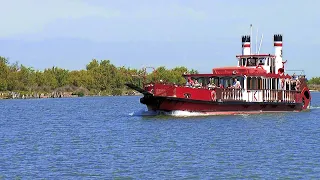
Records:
x=197, y=84
x=189, y=82
x=294, y=77
x=236, y=84
x=298, y=83
x=221, y=86
x=211, y=85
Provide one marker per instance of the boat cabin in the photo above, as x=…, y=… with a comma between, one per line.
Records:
x=254, y=79
x=266, y=61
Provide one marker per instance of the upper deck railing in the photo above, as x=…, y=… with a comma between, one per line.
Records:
x=256, y=95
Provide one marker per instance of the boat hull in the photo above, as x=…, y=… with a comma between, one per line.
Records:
x=213, y=107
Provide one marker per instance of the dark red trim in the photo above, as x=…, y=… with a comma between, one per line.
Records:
x=240, y=71
x=246, y=45
x=255, y=55
x=278, y=44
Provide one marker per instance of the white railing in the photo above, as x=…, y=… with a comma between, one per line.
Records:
x=266, y=95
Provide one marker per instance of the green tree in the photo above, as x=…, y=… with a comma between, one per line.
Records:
x=314, y=80
x=99, y=76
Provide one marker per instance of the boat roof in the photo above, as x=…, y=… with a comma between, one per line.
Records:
x=255, y=55
x=238, y=71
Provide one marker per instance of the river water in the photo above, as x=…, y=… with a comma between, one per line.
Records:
x=111, y=138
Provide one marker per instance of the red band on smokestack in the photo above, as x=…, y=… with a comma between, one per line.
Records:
x=246, y=45
x=278, y=44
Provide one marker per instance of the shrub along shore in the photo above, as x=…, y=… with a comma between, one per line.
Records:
x=99, y=78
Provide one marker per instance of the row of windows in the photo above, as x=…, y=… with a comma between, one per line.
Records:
x=259, y=83
x=252, y=82
x=256, y=61
x=275, y=84
x=220, y=81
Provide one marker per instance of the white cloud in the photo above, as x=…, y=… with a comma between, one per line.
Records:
x=31, y=16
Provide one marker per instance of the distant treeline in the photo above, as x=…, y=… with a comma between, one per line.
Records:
x=314, y=81
x=99, y=77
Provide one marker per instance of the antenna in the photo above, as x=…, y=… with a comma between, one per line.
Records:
x=251, y=37
x=260, y=43
x=257, y=42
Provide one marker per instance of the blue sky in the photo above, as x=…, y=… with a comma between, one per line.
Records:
x=199, y=34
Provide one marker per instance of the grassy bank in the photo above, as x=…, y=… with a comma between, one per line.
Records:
x=314, y=87
x=64, y=92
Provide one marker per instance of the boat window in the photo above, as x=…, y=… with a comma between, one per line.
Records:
x=269, y=83
x=272, y=62
x=225, y=82
x=228, y=82
x=243, y=61
x=251, y=62
x=221, y=82
x=199, y=82
x=259, y=83
x=274, y=84
x=265, y=83
x=216, y=81
x=251, y=83
x=261, y=61
x=248, y=82
x=241, y=80
x=203, y=81
x=255, y=83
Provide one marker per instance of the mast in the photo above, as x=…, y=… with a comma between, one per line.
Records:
x=250, y=36
x=257, y=42
x=260, y=44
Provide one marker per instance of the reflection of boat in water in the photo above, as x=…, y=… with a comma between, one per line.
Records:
x=260, y=84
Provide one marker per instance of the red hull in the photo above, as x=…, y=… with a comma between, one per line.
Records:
x=230, y=107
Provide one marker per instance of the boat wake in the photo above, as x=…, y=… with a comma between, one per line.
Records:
x=314, y=107
x=185, y=114
x=179, y=113
x=143, y=112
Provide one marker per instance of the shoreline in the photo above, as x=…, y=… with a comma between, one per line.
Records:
x=17, y=95
x=70, y=97
x=35, y=95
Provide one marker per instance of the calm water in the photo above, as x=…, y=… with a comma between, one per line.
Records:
x=106, y=138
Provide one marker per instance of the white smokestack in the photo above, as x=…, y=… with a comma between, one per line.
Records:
x=246, y=49
x=277, y=38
